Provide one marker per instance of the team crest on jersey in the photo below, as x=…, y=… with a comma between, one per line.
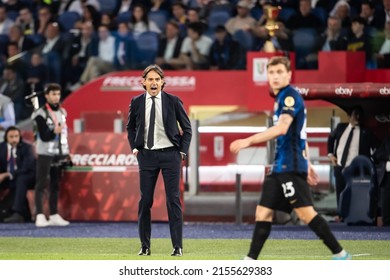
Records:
x=289, y=101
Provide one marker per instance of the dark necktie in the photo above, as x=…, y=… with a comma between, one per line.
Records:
x=346, y=148
x=150, y=143
x=11, y=162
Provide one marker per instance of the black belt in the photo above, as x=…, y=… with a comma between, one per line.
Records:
x=168, y=149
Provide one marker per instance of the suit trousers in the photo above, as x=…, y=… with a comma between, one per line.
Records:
x=19, y=186
x=339, y=182
x=151, y=162
x=385, y=199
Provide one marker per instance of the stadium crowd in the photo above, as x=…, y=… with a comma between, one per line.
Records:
x=71, y=42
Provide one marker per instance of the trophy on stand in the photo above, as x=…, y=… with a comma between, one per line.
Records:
x=271, y=13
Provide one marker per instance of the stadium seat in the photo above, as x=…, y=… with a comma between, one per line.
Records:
x=36, y=38
x=124, y=17
x=160, y=18
x=108, y=6
x=67, y=20
x=245, y=39
x=358, y=200
x=256, y=13
x=142, y=51
x=217, y=18
x=304, y=40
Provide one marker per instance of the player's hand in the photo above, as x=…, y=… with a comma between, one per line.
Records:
x=239, y=144
x=333, y=160
x=312, y=176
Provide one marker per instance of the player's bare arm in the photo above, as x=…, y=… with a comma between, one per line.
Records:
x=280, y=128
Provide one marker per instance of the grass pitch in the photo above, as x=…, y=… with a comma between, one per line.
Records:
x=21, y=248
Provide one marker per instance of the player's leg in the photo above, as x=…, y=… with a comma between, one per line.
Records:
x=261, y=231
x=320, y=227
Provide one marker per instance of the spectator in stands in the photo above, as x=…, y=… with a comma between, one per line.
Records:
x=16, y=60
x=127, y=5
x=160, y=5
x=243, y=20
x=359, y=40
x=193, y=16
x=16, y=35
x=333, y=39
x=367, y=11
x=52, y=51
x=90, y=14
x=17, y=172
x=286, y=187
x=102, y=59
x=386, y=5
x=383, y=56
x=45, y=17
x=13, y=5
x=179, y=14
x=140, y=23
x=169, y=46
x=226, y=53
x=305, y=18
x=107, y=19
x=7, y=111
x=27, y=22
x=195, y=51
x=53, y=150
x=347, y=141
x=14, y=87
x=343, y=11
x=80, y=50
x=5, y=21
x=122, y=41
x=205, y=6
x=36, y=74
x=78, y=5
x=382, y=159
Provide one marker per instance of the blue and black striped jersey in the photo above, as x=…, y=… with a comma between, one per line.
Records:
x=290, y=153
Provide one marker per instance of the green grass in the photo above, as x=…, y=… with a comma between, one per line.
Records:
x=21, y=248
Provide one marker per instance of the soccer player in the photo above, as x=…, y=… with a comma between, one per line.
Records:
x=286, y=188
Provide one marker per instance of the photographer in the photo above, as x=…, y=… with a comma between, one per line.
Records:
x=53, y=153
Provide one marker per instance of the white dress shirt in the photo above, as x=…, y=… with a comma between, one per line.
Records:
x=161, y=139
x=353, y=148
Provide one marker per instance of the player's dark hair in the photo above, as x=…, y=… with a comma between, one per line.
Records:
x=280, y=60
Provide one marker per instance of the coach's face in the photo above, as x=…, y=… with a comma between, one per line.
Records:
x=278, y=77
x=153, y=83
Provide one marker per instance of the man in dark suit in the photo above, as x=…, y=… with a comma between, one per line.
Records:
x=169, y=46
x=347, y=141
x=17, y=171
x=382, y=160
x=159, y=144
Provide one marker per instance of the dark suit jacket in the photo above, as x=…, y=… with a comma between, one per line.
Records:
x=163, y=44
x=173, y=113
x=367, y=140
x=381, y=157
x=25, y=159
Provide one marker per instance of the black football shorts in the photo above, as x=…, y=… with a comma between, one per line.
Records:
x=286, y=191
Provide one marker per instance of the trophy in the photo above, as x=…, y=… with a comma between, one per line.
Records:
x=271, y=14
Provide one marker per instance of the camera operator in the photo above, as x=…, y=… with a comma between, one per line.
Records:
x=53, y=154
